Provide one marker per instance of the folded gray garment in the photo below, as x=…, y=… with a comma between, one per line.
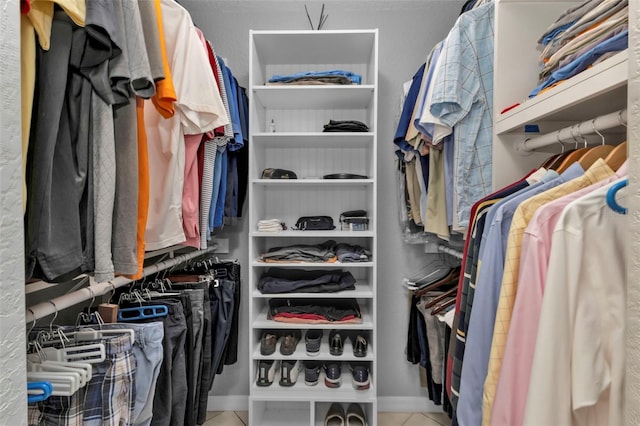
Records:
x=303, y=81
x=301, y=253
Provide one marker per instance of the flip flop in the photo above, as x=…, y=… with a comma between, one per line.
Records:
x=335, y=415
x=355, y=416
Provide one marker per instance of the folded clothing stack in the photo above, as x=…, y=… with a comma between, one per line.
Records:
x=278, y=280
x=328, y=251
x=345, y=126
x=315, y=311
x=318, y=77
x=271, y=225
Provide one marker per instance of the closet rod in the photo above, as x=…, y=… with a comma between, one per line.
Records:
x=41, y=310
x=568, y=134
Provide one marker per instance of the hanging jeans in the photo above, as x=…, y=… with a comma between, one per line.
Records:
x=222, y=298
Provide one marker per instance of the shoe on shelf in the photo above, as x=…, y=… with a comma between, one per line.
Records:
x=312, y=342
x=360, y=344
x=333, y=374
x=335, y=415
x=355, y=416
x=360, y=376
x=290, y=340
x=336, y=345
x=268, y=342
x=289, y=371
x=311, y=373
x=266, y=372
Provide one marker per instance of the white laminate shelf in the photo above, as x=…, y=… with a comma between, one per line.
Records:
x=594, y=92
x=363, y=290
x=317, y=265
x=329, y=234
x=315, y=97
x=314, y=139
x=262, y=322
x=320, y=393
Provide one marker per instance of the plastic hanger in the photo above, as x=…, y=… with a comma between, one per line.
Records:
x=38, y=391
x=63, y=384
x=611, y=196
x=142, y=312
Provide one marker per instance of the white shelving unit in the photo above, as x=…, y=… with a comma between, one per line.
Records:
x=596, y=91
x=299, y=114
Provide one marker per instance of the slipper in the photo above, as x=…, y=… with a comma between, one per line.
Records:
x=335, y=415
x=355, y=416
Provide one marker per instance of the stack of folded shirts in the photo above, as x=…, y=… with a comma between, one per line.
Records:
x=278, y=280
x=270, y=225
x=317, y=77
x=345, y=126
x=581, y=37
x=315, y=311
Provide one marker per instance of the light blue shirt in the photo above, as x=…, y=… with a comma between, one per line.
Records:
x=487, y=293
x=427, y=128
x=463, y=97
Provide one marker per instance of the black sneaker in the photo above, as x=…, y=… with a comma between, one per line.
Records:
x=289, y=371
x=333, y=374
x=360, y=376
x=336, y=345
x=312, y=342
x=266, y=372
x=311, y=373
x=290, y=341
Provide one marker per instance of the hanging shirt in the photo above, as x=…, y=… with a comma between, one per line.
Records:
x=577, y=375
x=513, y=382
x=199, y=109
x=463, y=98
x=597, y=172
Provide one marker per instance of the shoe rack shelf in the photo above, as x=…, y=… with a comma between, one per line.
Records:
x=298, y=144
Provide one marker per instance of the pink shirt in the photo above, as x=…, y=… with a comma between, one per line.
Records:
x=513, y=382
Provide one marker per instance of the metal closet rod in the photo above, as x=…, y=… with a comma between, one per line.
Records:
x=41, y=310
x=568, y=134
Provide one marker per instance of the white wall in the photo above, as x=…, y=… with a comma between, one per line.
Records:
x=13, y=387
x=408, y=30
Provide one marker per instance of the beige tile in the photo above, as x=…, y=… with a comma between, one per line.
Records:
x=441, y=418
x=392, y=419
x=244, y=416
x=212, y=414
x=418, y=419
x=226, y=418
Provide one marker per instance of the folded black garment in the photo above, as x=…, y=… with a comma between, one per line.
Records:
x=352, y=253
x=345, y=126
x=279, y=280
x=332, y=310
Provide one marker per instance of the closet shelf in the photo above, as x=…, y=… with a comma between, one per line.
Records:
x=594, y=92
x=319, y=392
x=317, y=265
x=363, y=291
x=313, y=139
x=328, y=234
x=261, y=321
x=314, y=182
x=314, y=97
x=324, y=355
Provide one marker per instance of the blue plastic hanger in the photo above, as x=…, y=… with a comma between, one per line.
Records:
x=45, y=387
x=142, y=312
x=611, y=197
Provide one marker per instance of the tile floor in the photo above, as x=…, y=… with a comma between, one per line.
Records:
x=240, y=418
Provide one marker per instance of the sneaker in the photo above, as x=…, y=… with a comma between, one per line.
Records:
x=359, y=342
x=290, y=342
x=268, y=343
x=311, y=373
x=333, y=374
x=335, y=343
x=360, y=376
x=355, y=416
x=266, y=372
x=312, y=342
x=289, y=372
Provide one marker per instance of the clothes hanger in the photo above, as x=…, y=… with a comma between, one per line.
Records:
x=617, y=156
x=444, y=305
x=596, y=152
x=451, y=278
x=573, y=156
x=38, y=391
x=554, y=165
x=546, y=164
x=611, y=196
x=450, y=292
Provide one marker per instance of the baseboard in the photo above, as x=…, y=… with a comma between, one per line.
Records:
x=228, y=403
x=401, y=404
x=406, y=404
